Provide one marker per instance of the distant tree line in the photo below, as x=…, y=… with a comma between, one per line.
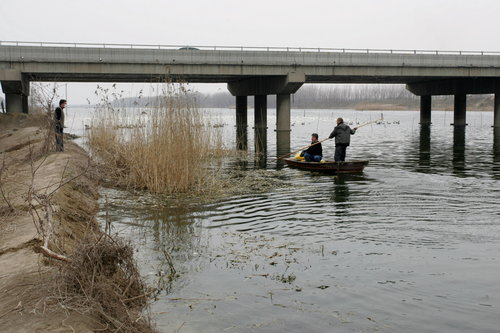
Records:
x=351, y=96
x=334, y=96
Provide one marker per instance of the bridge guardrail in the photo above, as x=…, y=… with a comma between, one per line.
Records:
x=245, y=48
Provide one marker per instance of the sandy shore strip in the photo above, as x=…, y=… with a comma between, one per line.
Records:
x=38, y=185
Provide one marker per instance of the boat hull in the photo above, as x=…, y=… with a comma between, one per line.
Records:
x=329, y=167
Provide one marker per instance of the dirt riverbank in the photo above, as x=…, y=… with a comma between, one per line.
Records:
x=50, y=186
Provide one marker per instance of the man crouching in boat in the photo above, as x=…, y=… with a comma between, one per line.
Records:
x=342, y=134
x=315, y=152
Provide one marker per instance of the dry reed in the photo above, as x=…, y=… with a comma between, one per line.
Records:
x=168, y=149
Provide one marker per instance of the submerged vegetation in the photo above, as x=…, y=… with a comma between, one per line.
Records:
x=168, y=149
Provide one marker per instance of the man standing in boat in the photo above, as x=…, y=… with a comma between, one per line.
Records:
x=342, y=134
x=315, y=152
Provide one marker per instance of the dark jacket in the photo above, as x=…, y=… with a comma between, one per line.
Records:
x=342, y=134
x=59, y=117
x=315, y=150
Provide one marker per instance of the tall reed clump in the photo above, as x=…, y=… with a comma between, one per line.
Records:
x=170, y=148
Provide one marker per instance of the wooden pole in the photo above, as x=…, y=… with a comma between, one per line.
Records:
x=293, y=152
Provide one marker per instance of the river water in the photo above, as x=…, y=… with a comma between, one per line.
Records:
x=410, y=245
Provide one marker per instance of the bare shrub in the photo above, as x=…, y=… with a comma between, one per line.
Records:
x=42, y=100
x=101, y=278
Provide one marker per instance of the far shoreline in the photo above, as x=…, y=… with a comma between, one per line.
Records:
x=361, y=107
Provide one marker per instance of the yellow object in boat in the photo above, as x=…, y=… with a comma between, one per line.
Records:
x=298, y=157
x=322, y=161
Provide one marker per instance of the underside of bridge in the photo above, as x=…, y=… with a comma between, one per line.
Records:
x=255, y=72
x=15, y=85
x=261, y=87
x=459, y=88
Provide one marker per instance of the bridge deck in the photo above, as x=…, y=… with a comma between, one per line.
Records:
x=122, y=64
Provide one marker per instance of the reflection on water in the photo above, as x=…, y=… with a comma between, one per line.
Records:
x=496, y=142
x=411, y=244
x=341, y=189
x=496, y=152
x=260, y=160
x=459, y=149
x=425, y=146
x=240, y=163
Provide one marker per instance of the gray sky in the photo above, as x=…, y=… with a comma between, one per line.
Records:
x=388, y=24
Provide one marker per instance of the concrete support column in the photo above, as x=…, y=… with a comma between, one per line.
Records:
x=282, y=124
x=260, y=114
x=16, y=95
x=460, y=108
x=425, y=110
x=25, y=103
x=242, y=122
x=496, y=115
x=14, y=102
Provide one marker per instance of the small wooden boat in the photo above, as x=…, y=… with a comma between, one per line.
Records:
x=328, y=166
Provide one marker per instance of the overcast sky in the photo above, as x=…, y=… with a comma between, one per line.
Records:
x=388, y=24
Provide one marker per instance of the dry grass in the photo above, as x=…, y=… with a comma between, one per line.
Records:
x=169, y=149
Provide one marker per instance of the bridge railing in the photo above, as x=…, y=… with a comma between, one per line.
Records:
x=244, y=48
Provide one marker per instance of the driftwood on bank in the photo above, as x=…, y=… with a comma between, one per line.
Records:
x=51, y=254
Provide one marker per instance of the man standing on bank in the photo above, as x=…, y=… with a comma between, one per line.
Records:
x=342, y=134
x=59, y=124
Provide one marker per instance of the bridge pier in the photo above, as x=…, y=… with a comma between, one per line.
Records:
x=283, y=124
x=242, y=122
x=460, y=107
x=459, y=87
x=496, y=115
x=16, y=89
x=260, y=127
x=261, y=86
x=16, y=103
x=425, y=109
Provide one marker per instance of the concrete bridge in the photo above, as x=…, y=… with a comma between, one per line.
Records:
x=255, y=72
